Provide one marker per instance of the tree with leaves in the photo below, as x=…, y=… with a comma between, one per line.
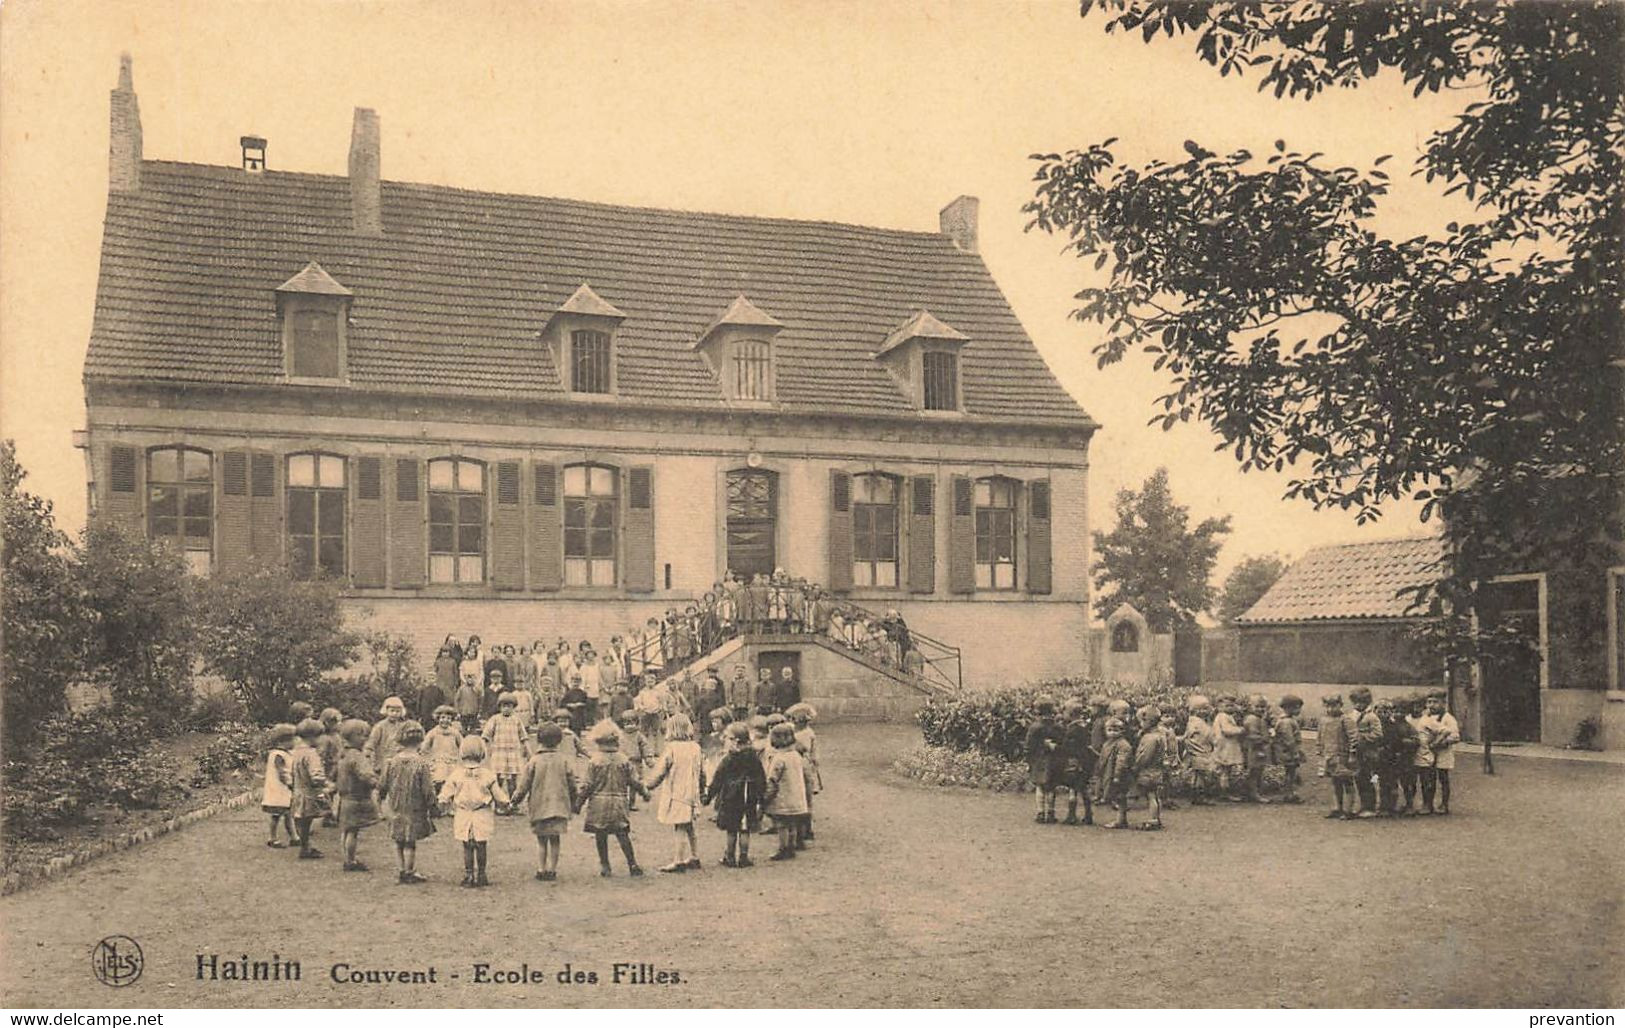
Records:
x=1478, y=370
x=1247, y=583
x=44, y=618
x=271, y=636
x=1153, y=560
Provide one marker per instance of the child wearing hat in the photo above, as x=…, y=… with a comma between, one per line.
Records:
x=384, y=739
x=1335, y=753
x=507, y=747
x=802, y=715
x=680, y=776
x=473, y=793
x=737, y=788
x=1077, y=761
x=310, y=785
x=1150, y=756
x=356, y=782
x=548, y=789
x=785, y=798
x=407, y=785
x=1044, y=758
x=604, y=798
x=442, y=746
x=1116, y=770
x=277, y=795
x=1287, y=739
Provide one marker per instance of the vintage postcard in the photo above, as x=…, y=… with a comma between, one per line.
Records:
x=977, y=504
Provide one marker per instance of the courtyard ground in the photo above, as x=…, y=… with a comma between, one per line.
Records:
x=911, y=896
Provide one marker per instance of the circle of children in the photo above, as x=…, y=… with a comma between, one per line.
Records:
x=1375, y=754
x=556, y=732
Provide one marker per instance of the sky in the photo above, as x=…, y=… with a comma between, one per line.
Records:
x=857, y=112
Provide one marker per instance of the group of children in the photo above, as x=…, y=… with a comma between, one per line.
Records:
x=1104, y=751
x=349, y=774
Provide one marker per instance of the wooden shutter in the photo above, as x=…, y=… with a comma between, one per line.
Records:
x=1039, y=564
x=408, y=531
x=508, y=529
x=840, y=532
x=962, y=537
x=234, y=531
x=922, y=534
x=124, y=500
x=546, y=528
x=368, y=560
x=639, y=531
x=264, y=506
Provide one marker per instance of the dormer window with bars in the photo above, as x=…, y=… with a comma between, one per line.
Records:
x=738, y=344
x=314, y=310
x=580, y=336
x=922, y=355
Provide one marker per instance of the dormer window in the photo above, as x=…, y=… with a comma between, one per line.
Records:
x=922, y=355
x=940, y=370
x=738, y=345
x=314, y=309
x=581, y=337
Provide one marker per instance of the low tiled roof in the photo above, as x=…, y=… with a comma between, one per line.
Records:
x=1354, y=580
x=452, y=296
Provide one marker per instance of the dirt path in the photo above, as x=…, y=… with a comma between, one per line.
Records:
x=911, y=896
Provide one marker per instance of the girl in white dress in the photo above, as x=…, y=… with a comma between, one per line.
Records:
x=681, y=771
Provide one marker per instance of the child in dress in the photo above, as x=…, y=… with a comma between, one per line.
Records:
x=1198, y=743
x=1228, y=739
x=1044, y=759
x=1335, y=751
x=1288, y=743
x=737, y=789
x=442, y=746
x=1150, y=756
x=310, y=785
x=356, y=782
x=384, y=739
x=329, y=747
x=408, y=788
x=548, y=789
x=802, y=715
x=570, y=744
x=680, y=776
x=638, y=752
x=785, y=799
x=1116, y=770
x=277, y=797
x=473, y=794
x=1446, y=734
x=507, y=748
x=604, y=797
x=468, y=703
x=715, y=742
x=1077, y=761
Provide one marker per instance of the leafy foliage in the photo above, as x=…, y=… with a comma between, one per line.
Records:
x=101, y=757
x=44, y=620
x=938, y=765
x=1247, y=583
x=140, y=598
x=1477, y=370
x=1153, y=560
x=236, y=748
x=271, y=636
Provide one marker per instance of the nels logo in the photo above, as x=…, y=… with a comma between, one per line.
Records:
x=116, y=961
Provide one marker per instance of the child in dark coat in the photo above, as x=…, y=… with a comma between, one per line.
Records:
x=1399, y=742
x=1077, y=761
x=610, y=780
x=1044, y=759
x=737, y=787
x=1287, y=739
x=406, y=785
x=1116, y=771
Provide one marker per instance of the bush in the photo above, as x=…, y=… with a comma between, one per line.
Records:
x=213, y=710
x=937, y=765
x=100, y=757
x=239, y=746
x=355, y=695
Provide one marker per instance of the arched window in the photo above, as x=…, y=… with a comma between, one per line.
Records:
x=180, y=503
x=456, y=521
x=995, y=533
x=874, y=531
x=591, y=517
x=316, y=499
x=1125, y=637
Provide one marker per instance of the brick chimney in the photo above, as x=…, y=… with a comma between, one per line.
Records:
x=958, y=222
x=365, y=203
x=124, y=146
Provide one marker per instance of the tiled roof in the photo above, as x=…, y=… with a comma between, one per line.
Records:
x=1355, y=580
x=452, y=297
x=313, y=278
x=923, y=325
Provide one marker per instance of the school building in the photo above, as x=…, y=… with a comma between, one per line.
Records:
x=529, y=417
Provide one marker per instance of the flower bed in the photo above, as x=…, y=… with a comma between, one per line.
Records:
x=971, y=769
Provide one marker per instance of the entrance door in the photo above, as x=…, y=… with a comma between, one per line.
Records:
x=753, y=508
x=1511, y=682
x=776, y=661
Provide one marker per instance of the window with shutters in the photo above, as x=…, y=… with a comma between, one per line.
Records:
x=180, y=503
x=941, y=373
x=995, y=533
x=121, y=474
x=316, y=501
x=456, y=521
x=368, y=478
x=752, y=368
x=874, y=531
x=508, y=483
x=591, y=518
x=589, y=361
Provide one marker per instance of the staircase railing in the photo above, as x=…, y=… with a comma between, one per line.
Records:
x=675, y=644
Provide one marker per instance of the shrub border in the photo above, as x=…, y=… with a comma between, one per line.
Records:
x=56, y=867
